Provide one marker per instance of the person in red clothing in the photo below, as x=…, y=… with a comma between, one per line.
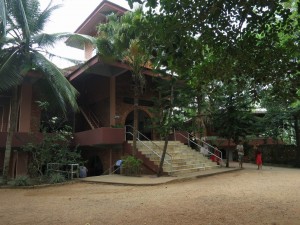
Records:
x=216, y=156
x=258, y=157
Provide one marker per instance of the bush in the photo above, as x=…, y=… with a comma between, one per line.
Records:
x=21, y=181
x=55, y=178
x=131, y=166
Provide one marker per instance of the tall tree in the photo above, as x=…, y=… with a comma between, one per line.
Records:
x=24, y=49
x=221, y=39
x=2, y=18
x=119, y=39
x=232, y=117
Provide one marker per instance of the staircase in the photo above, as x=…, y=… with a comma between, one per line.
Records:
x=90, y=117
x=180, y=159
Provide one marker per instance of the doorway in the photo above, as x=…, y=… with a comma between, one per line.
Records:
x=144, y=124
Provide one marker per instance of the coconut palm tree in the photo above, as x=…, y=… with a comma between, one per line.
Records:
x=23, y=50
x=119, y=39
x=2, y=18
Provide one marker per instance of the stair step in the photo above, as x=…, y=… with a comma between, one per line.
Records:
x=184, y=158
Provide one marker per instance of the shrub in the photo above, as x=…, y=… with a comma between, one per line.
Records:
x=55, y=178
x=131, y=166
x=21, y=181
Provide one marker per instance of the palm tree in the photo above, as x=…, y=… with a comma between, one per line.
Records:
x=24, y=49
x=2, y=18
x=119, y=39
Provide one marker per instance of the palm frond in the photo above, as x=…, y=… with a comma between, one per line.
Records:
x=44, y=40
x=46, y=93
x=49, y=40
x=21, y=17
x=9, y=64
x=44, y=17
x=2, y=18
x=78, y=40
x=66, y=59
x=62, y=89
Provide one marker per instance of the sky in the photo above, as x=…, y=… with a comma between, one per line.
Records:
x=67, y=19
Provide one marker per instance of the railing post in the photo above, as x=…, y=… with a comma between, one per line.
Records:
x=174, y=134
x=125, y=132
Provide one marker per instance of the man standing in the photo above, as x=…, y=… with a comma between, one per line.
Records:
x=240, y=150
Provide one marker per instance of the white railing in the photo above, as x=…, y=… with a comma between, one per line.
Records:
x=69, y=169
x=168, y=157
x=110, y=170
x=189, y=139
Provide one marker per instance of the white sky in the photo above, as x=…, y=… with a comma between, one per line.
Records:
x=68, y=18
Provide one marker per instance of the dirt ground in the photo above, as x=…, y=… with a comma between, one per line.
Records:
x=249, y=196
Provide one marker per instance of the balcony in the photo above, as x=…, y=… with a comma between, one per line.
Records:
x=100, y=136
x=20, y=138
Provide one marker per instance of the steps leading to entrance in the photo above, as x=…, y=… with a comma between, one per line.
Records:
x=183, y=158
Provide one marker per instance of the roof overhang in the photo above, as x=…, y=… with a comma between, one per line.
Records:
x=89, y=26
x=110, y=69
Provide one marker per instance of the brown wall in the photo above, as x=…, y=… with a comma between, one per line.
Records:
x=107, y=154
x=18, y=165
x=88, y=51
x=124, y=90
x=4, y=113
x=95, y=94
x=29, y=120
x=102, y=135
x=35, y=117
x=25, y=108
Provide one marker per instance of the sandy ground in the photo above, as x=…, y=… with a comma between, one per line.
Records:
x=249, y=196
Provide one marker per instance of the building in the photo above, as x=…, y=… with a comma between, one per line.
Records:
x=106, y=106
x=106, y=109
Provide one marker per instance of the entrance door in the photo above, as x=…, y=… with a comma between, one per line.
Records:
x=144, y=124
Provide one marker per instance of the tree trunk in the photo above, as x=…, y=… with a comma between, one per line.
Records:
x=227, y=154
x=12, y=128
x=161, y=164
x=227, y=157
x=135, y=119
x=297, y=134
x=166, y=138
x=202, y=131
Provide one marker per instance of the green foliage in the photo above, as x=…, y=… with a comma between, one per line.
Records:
x=253, y=45
x=24, y=49
x=54, y=147
x=279, y=121
x=119, y=39
x=131, y=166
x=232, y=116
x=55, y=178
x=21, y=181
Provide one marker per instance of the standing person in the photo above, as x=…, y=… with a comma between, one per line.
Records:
x=258, y=157
x=216, y=155
x=83, y=171
x=240, y=150
x=117, y=167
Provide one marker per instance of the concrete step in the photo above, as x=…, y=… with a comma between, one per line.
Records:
x=184, y=159
x=192, y=170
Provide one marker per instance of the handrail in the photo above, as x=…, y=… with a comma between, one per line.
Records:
x=91, y=118
x=87, y=118
x=151, y=149
x=211, y=153
x=110, y=170
x=94, y=118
